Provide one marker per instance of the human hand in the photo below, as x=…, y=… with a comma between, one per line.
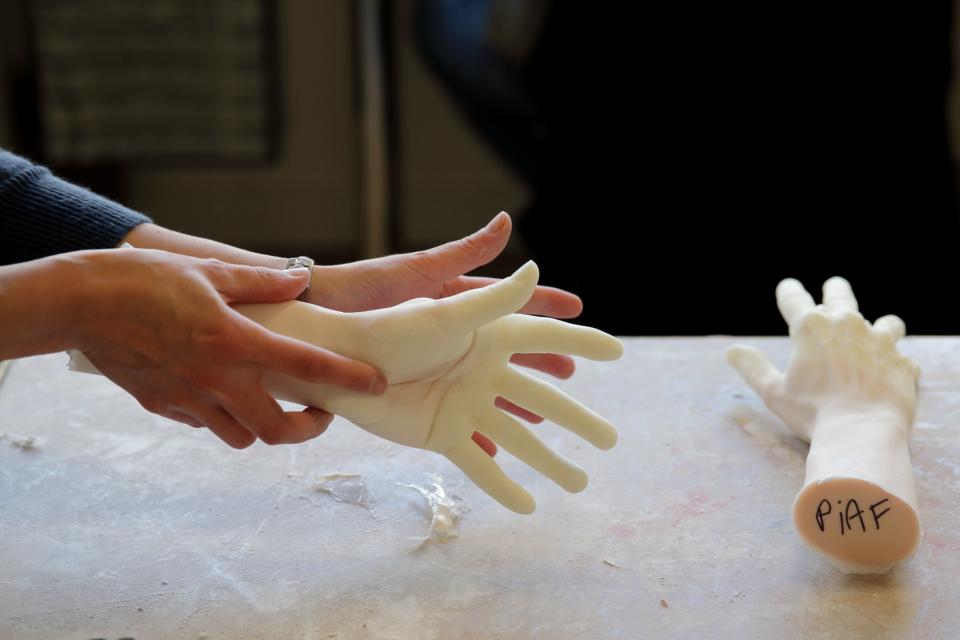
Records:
x=439, y=273
x=160, y=325
x=446, y=361
x=852, y=395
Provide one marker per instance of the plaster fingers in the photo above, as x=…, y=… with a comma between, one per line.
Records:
x=838, y=295
x=524, y=445
x=530, y=334
x=756, y=369
x=545, y=400
x=793, y=301
x=487, y=474
x=475, y=308
x=892, y=326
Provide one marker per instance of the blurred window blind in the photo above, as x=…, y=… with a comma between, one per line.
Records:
x=155, y=80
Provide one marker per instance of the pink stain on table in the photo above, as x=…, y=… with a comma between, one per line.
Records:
x=698, y=504
x=623, y=531
x=941, y=543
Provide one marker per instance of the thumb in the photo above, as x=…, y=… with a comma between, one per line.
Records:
x=472, y=309
x=756, y=370
x=260, y=284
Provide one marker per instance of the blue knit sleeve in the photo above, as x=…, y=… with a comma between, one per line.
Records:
x=41, y=215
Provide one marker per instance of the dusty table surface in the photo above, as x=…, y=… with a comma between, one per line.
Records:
x=123, y=524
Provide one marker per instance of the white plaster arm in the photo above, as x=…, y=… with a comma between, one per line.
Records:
x=852, y=396
x=446, y=361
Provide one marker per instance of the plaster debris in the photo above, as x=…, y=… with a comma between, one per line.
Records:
x=27, y=443
x=663, y=603
x=350, y=488
x=610, y=563
x=444, y=509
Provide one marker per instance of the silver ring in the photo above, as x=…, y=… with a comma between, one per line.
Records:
x=298, y=262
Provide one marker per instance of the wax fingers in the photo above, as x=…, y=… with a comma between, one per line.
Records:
x=530, y=334
x=523, y=444
x=793, y=301
x=892, y=326
x=756, y=369
x=487, y=474
x=838, y=296
x=545, y=400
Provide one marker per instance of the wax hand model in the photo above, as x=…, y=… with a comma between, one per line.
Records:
x=446, y=361
x=850, y=394
x=386, y=281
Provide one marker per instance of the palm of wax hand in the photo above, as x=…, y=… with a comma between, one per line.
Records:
x=446, y=362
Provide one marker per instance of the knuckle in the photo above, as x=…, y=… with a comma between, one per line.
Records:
x=421, y=263
x=813, y=321
x=315, y=367
x=214, y=267
x=266, y=275
x=221, y=342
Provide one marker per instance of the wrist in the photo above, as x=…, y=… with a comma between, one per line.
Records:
x=81, y=286
x=38, y=308
x=868, y=416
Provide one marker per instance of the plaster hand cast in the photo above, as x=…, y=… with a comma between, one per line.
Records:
x=850, y=394
x=446, y=361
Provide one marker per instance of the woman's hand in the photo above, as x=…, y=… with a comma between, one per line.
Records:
x=439, y=273
x=391, y=280
x=160, y=325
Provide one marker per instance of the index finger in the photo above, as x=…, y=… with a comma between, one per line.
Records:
x=793, y=300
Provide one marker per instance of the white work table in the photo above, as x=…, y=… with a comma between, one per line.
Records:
x=123, y=524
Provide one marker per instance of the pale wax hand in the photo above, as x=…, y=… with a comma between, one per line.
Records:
x=849, y=392
x=440, y=272
x=446, y=361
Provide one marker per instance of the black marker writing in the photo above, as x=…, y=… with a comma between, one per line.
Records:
x=821, y=512
x=876, y=516
x=849, y=515
x=858, y=513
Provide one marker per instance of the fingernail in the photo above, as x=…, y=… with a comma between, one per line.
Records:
x=320, y=417
x=379, y=385
x=499, y=222
x=297, y=272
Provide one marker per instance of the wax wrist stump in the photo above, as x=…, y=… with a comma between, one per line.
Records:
x=446, y=361
x=852, y=396
x=858, y=505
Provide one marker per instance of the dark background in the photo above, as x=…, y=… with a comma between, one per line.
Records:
x=668, y=162
x=731, y=146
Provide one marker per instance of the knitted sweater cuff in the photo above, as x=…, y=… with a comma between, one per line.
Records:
x=41, y=215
